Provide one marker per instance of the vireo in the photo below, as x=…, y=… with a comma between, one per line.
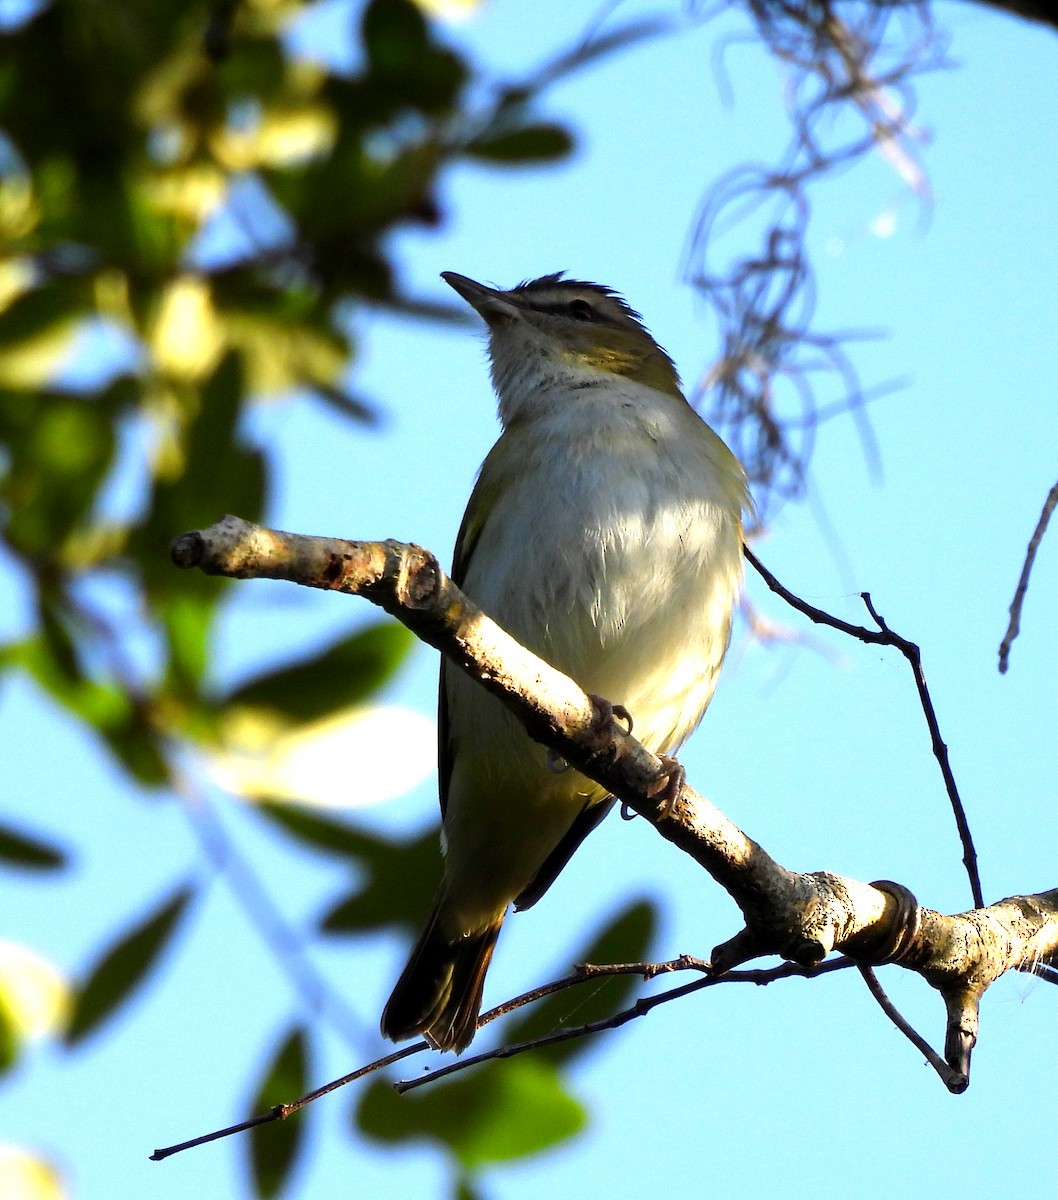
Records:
x=605, y=534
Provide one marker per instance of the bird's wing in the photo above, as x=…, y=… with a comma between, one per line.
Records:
x=478, y=507
x=586, y=820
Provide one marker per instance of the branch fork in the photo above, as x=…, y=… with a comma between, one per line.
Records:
x=802, y=918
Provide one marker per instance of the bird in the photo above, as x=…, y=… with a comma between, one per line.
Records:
x=604, y=533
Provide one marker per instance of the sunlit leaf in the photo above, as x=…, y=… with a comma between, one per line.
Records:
x=500, y=1112
x=274, y=1147
x=124, y=967
x=23, y=850
x=450, y=10
x=281, y=354
x=35, y=997
x=281, y=135
x=351, y=758
x=186, y=339
x=28, y=1176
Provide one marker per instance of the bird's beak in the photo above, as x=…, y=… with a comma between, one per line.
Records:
x=495, y=307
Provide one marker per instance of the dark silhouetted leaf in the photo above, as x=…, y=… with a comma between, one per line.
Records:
x=21, y=850
x=36, y=311
x=347, y=673
x=355, y=408
x=51, y=661
x=122, y=968
x=402, y=878
x=465, y=1190
x=274, y=1148
x=9, y=1040
x=395, y=35
x=531, y=143
x=626, y=938
x=322, y=833
x=500, y=1112
x=135, y=744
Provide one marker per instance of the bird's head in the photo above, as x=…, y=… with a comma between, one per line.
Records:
x=555, y=332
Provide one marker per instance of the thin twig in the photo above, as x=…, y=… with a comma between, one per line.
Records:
x=885, y=636
x=280, y=1112
x=640, y=1008
x=584, y=973
x=1014, y=625
x=954, y=1081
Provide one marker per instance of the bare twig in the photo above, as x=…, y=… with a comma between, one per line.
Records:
x=884, y=636
x=1014, y=625
x=639, y=1008
x=801, y=917
x=280, y=1112
x=585, y=973
x=954, y=1081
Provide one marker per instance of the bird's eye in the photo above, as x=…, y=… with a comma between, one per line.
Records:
x=581, y=310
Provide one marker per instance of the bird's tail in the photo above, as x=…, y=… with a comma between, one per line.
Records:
x=439, y=992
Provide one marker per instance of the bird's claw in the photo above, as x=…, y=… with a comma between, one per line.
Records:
x=667, y=791
x=605, y=712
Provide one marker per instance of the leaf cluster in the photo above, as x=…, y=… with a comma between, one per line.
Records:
x=189, y=214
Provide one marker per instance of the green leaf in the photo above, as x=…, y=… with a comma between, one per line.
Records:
x=500, y=1112
x=35, y=312
x=530, y=144
x=21, y=850
x=274, y=1148
x=320, y=832
x=345, y=674
x=51, y=661
x=136, y=744
x=61, y=449
x=9, y=1039
x=395, y=35
x=402, y=878
x=188, y=619
x=407, y=68
x=220, y=475
x=627, y=938
x=122, y=968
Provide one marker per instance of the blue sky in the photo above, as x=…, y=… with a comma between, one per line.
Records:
x=819, y=753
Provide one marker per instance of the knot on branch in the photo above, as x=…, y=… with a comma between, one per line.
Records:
x=418, y=574
x=186, y=550
x=898, y=933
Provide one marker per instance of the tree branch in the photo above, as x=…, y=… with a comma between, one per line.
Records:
x=1014, y=625
x=884, y=636
x=800, y=917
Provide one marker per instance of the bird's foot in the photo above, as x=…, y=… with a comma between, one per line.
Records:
x=667, y=791
x=605, y=712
